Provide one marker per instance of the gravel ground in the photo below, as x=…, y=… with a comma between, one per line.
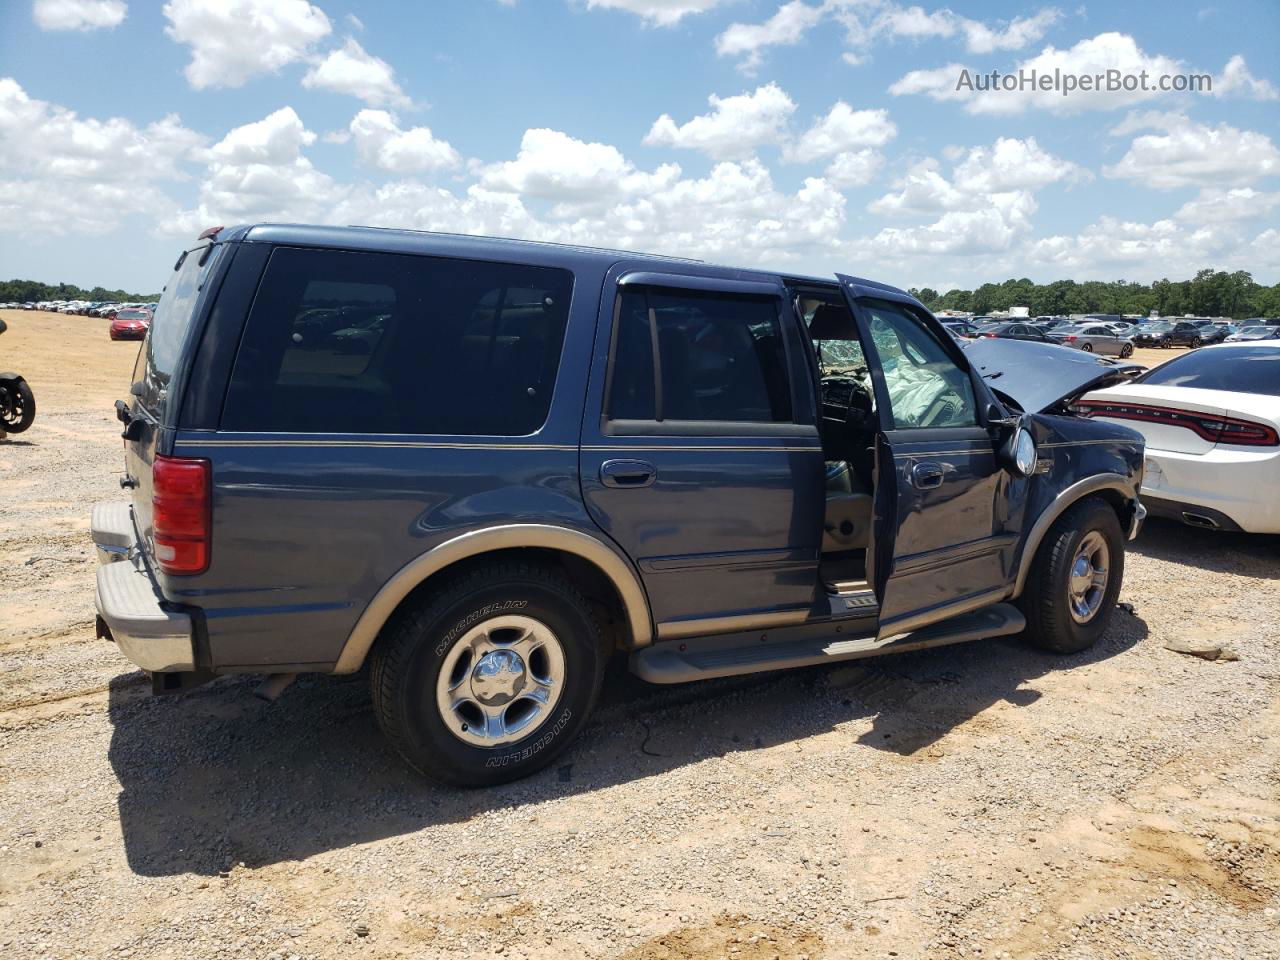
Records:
x=976, y=801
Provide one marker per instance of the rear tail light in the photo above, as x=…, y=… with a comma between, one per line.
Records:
x=1207, y=426
x=181, y=515
x=1068, y=339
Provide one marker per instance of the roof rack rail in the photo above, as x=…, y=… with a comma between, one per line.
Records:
x=548, y=243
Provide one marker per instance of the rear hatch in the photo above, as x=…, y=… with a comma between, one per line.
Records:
x=153, y=400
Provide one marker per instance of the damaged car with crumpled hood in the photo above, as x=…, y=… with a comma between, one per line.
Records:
x=543, y=455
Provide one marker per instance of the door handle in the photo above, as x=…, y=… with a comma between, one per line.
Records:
x=627, y=473
x=927, y=475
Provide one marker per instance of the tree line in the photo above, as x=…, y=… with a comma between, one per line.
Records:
x=24, y=291
x=1212, y=293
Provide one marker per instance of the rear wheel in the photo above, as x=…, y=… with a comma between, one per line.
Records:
x=1087, y=347
x=17, y=406
x=489, y=678
x=1075, y=579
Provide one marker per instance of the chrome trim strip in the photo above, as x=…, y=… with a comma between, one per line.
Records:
x=486, y=540
x=1088, y=443
x=705, y=626
x=449, y=445
x=394, y=444
x=986, y=451
x=622, y=448
x=1077, y=491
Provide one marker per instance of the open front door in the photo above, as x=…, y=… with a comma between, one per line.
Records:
x=939, y=547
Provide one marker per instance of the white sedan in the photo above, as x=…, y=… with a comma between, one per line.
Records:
x=1211, y=418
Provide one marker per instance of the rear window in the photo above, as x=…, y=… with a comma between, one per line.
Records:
x=168, y=330
x=346, y=342
x=1241, y=370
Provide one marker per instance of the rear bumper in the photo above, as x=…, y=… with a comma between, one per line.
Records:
x=1232, y=487
x=145, y=628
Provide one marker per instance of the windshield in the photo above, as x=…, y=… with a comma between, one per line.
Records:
x=1238, y=369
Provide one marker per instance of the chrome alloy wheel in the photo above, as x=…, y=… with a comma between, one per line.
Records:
x=1090, y=571
x=500, y=681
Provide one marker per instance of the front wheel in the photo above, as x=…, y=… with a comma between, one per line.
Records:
x=17, y=405
x=1126, y=351
x=1075, y=579
x=490, y=677
x=1196, y=342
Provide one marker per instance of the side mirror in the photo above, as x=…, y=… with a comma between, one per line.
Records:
x=1019, y=453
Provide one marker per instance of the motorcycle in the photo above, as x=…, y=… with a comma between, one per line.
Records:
x=17, y=403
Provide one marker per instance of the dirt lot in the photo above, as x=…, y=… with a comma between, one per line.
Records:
x=978, y=801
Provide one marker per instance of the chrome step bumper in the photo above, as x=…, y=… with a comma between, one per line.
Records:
x=112, y=529
x=666, y=663
x=129, y=602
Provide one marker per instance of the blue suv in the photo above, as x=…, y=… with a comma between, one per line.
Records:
x=482, y=467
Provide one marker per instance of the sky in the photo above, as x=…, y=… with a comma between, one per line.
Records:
x=807, y=136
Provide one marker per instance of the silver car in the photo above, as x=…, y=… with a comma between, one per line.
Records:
x=1093, y=338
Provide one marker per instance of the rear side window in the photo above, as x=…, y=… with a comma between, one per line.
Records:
x=346, y=342
x=685, y=355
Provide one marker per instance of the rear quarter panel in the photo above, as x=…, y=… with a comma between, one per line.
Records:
x=308, y=527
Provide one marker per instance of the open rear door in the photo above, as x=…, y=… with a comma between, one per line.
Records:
x=937, y=549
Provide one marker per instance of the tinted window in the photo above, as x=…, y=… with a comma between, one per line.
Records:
x=173, y=317
x=1243, y=370
x=719, y=357
x=926, y=387
x=343, y=342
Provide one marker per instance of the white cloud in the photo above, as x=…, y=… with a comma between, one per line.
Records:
x=1188, y=154
x=868, y=22
x=787, y=27
x=735, y=127
x=1093, y=57
x=854, y=168
x=351, y=70
x=381, y=143
x=1145, y=251
x=841, y=130
x=983, y=208
x=234, y=40
x=78, y=14
x=1236, y=81
x=1013, y=164
x=573, y=174
x=64, y=173
x=662, y=13
x=1215, y=205
x=257, y=172
x=1018, y=33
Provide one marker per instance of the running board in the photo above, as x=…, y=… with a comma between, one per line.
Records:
x=667, y=663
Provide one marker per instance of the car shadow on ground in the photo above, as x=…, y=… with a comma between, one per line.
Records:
x=217, y=777
x=1249, y=554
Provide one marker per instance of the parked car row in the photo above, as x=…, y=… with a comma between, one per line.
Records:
x=87, y=308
